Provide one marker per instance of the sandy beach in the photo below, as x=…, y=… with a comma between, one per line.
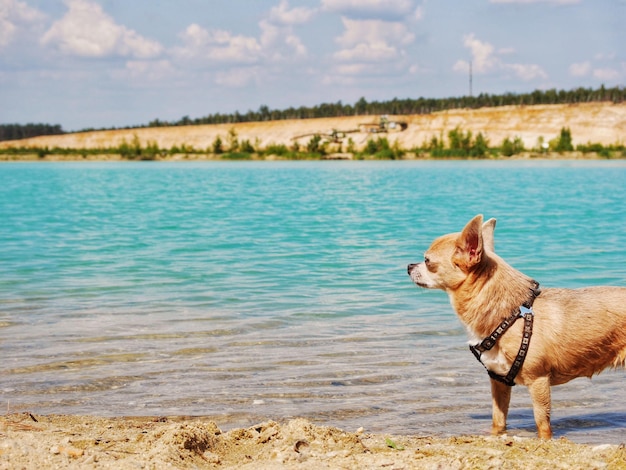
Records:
x=28, y=441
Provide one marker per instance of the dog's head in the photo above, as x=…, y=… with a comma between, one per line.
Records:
x=451, y=258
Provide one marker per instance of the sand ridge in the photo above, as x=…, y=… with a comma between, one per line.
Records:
x=597, y=122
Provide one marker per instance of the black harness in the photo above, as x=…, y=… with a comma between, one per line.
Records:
x=524, y=311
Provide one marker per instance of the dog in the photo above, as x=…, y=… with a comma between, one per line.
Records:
x=564, y=333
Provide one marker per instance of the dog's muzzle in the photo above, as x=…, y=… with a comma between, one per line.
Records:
x=410, y=268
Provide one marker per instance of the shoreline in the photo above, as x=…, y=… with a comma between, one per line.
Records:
x=74, y=441
x=526, y=156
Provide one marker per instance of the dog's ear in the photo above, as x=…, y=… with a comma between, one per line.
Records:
x=469, y=245
x=488, y=229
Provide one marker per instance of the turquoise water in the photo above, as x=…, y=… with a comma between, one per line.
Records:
x=248, y=291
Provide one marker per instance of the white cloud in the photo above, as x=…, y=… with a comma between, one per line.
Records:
x=580, y=69
x=218, y=45
x=372, y=40
x=87, y=31
x=397, y=11
x=277, y=41
x=293, y=41
x=275, y=44
x=363, y=9
x=485, y=59
x=526, y=71
x=598, y=69
x=281, y=14
x=280, y=42
x=16, y=15
x=278, y=37
x=378, y=52
x=607, y=74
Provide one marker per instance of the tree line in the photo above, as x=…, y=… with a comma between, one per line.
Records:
x=359, y=108
x=25, y=131
x=408, y=106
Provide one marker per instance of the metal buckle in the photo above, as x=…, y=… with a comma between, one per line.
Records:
x=523, y=311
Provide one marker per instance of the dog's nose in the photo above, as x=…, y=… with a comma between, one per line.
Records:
x=410, y=268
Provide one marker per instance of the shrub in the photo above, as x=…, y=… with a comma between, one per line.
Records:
x=511, y=147
x=217, y=146
x=246, y=146
x=458, y=140
x=151, y=151
x=236, y=156
x=233, y=142
x=564, y=142
x=314, y=145
x=42, y=152
x=375, y=146
x=480, y=146
x=279, y=150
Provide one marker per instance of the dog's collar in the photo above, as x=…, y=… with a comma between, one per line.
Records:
x=524, y=311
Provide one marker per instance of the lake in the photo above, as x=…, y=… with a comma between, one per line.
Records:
x=247, y=291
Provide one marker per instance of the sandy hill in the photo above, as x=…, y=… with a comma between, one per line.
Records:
x=603, y=123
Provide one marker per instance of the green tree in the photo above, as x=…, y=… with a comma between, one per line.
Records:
x=436, y=143
x=564, y=141
x=511, y=147
x=233, y=141
x=480, y=146
x=458, y=140
x=130, y=150
x=246, y=146
x=135, y=146
x=371, y=147
x=360, y=107
x=42, y=152
x=217, y=146
x=151, y=151
x=314, y=145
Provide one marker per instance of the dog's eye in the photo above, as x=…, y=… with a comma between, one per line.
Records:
x=430, y=265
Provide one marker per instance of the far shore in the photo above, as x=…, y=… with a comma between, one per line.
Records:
x=111, y=157
x=595, y=130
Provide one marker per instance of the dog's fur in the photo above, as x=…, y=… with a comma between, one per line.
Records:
x=576, y=332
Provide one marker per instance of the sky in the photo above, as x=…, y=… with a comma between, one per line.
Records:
x=115, y=63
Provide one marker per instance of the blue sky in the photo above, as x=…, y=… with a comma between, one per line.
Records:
x=101, y=63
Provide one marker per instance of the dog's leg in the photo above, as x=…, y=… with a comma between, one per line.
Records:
x=540, y=395
x=501, y=397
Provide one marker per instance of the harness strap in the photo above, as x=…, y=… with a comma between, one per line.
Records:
x=525, y=311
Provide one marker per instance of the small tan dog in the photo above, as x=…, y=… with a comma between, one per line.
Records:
x=576, y=332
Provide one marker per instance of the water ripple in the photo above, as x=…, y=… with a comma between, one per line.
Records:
x=245, y=291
